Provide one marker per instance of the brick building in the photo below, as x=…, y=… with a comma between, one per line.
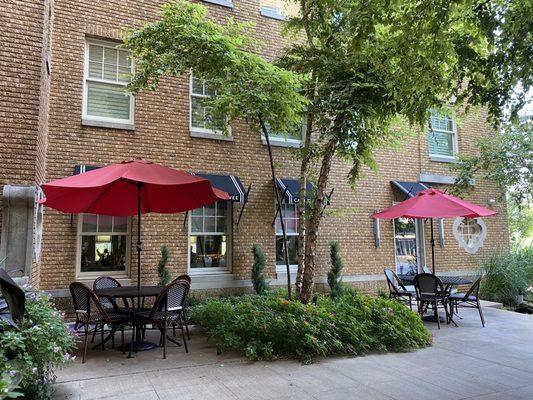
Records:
x=62, y=111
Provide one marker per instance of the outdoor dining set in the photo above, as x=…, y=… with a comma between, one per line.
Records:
x=429, y=291
x=115, y=307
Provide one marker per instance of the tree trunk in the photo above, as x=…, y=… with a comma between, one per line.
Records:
x=278, y=201
x=314, y=223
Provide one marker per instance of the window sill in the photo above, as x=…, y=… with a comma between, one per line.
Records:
x=279, y=142
x=443, y=159
x=270, y=13
x=107, y=124
x=210, y=135
x=223, y=3
x=282, y=269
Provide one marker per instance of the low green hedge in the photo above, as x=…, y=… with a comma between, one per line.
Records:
x=29, y=356
x=269, y=327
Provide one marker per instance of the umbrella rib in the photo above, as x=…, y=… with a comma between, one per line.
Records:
x=100, y=196
x=191, y=196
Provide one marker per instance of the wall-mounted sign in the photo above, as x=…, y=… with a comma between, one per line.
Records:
x=470, y=233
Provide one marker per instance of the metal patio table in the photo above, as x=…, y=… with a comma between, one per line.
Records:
x=133, y=293
x=447, y=281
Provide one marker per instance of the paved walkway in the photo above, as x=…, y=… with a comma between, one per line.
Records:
x=469, y=362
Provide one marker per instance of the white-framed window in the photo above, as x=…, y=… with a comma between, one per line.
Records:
x=290, y=217
x=408, y=245
x=201, y=123
x=104, y=244
x=108, y=70
x=210, y=238
x=442, y=137
x=278, y=9
x=293, y=139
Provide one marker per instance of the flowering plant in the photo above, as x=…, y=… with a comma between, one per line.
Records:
x=28, y=356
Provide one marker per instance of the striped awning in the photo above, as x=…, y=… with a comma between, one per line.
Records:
x=290, y=188
x=230, y=184
x=80, y=169
x=409, y=189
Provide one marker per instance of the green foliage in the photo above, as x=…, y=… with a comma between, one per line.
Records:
x=270, y=327
x=507, y=275
x=247, y=85
x=162, y=271
x=334, y=274
x=258, y=279
x=520, y=224
x=30, y=354
x=506, y=159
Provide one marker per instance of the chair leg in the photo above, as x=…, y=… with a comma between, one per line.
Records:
x=436, y=313
x=184, y=338
x=122, y=340
x=480, y=314
x=94, y=333
x=186, y=320
x=102, y=335
x=85, y=344
x=113, y=330
x=165, y=340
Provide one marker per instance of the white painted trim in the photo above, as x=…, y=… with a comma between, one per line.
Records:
x=455, y=143
x=443, y=159
x=271, y=13
x=435, y=178
x=223, y=3
x=209, y=134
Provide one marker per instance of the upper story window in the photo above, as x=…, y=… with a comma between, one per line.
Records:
x=202, y=123
x=442, y=137
x=293, y=139
x=290, y=218
x=210, y=238
x=107, y=72
x=278, y=9
x=103, y=245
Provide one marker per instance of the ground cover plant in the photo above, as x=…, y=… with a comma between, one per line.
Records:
x=29, y=355
x=269, y=327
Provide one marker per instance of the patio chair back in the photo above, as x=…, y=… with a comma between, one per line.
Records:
x=106, y=282
x=184, y=277
x=428, y=286
x=394, y=283
x=86, y=303
x=474, y=289
x=172, y=298
x=13, y=296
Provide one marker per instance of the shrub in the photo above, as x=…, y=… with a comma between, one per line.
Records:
x=29, y=355
x=269, y=327
x=258, y=279
x=334, y=275
x=162, y=271
x=507, y=275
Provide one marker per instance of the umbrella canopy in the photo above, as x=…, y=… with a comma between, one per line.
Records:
x=114, y=190
x=432, y=203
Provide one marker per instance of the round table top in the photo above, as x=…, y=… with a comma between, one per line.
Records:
x=446, y=280
x=130, y=291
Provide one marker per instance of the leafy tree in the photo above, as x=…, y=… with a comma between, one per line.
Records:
x=162, y=270
x=334, y=274
x=358, y=70
x=258, y=279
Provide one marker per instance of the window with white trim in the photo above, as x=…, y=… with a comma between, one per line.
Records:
x=279, y=9
x=290, y=217
x=210, y=238
x=108, y=70
x=442, y=136
x=103, y=245
x=200, y=119
x=405, y=245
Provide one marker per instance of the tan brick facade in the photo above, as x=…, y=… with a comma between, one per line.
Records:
x=59, y=141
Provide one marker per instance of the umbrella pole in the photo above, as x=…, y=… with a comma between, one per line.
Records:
x=432, y=242
x=139, y=243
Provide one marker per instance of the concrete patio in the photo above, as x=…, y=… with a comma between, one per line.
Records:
x=469, y=362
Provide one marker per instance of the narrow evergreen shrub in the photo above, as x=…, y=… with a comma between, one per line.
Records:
x=334, y=274
x=162, y=271
x=258, y=279
x=270, y=327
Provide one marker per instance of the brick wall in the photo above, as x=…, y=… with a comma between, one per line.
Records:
x=162, y=135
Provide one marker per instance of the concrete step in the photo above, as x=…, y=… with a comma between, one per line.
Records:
x=491, y=304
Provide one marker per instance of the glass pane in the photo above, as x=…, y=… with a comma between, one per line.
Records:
x=209, y=91
x=196, y=224
x=290, y=210
x=209, y=224
x=124, y=59
x=208, y=251
x=120, y=224
x=103, y=253
x=291, y=225
x=292, y=245
x=198, y=211
x=405, y=246
x=110, y=56
x=105, y=223
x=209, y=210
x=89, y=222
x=441, y=143
x=197, y=86
x=95, y=70
x=124, y=74
x=222, y=208
x=441, y=122
x=197, y=113
x=96, y=53
x=110, y=72
x=222, y=224
x=107, y=100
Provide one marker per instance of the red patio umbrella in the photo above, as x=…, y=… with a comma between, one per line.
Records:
x=131, y=188
x=432, y=203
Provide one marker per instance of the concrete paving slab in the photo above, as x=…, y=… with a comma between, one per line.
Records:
x=469, y=362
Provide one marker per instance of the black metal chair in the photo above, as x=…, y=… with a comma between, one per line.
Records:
x=470, y=299
x=90, y=311
x=167, y=312
x=13, y=306
x=430, y=293
x=397, y=290
x=185, y=306
x=107, y=282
